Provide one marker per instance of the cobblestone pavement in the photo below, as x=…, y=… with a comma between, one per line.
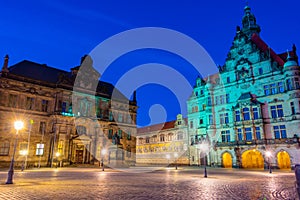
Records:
x=184, y=183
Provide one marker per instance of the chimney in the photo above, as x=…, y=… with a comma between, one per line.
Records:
x=5, y=65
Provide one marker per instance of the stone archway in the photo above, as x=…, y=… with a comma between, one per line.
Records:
x=227, y=160
x=252, y=159
x=283, y=160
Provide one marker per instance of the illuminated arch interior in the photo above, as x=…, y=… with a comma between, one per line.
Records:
x=227, y=160
x=252, y=159
x=283, y=159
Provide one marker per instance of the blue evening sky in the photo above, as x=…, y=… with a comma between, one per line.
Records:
x=58, y=33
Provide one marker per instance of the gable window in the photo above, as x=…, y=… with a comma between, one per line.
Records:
x=279, y=131
x=246, y=114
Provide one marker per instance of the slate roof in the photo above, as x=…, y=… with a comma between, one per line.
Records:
x=158, y=127
x=52, y=76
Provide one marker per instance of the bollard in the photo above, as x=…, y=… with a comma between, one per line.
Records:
x=297, y=174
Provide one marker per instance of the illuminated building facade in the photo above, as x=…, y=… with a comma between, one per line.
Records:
x=163, y=144
x=250, y=107
x=64, y=122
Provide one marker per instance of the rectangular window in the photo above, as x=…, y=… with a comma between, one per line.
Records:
x=260, y=71
x=248, y=134
x=246, y=113
x=240, y=134
x=201, y=121
x=147, y=140
x=110, y=134
x=12, y=100
x=111, y=118
x=280, y=87
x=60, y=147
x=277, y=111
x=39, y=149
x=45, y=105
x=237, y=116
x=162, y=138
x=289, y=84
x=210, y=120
x=267, y=90
x=225, y=136
x=120, y=117
x=209, y=102
x=42, y=127
x=273, y=112
x=279, y=131
x=201, y=92
x=4, y=148
x=228, y=79
x=293, y=108
x=297, y=85
x=120, y=133
x=29, y=103
x=255, y=113
x=64, y=107
x=227, y=98
x=23, y=146
x=222, y=99
x=273, y=88
x=191, y=124
x=217, y=100
x=257, y=132
x=226, y=118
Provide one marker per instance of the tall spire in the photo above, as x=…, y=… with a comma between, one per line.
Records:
x=5, y=65
x=249, y=22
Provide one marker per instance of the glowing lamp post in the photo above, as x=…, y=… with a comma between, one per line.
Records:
x=18, y=126
x=176, y=156
x=204, y=148
x=269, y=154
x=24, y=153
x=57, y=157
x=103, y=153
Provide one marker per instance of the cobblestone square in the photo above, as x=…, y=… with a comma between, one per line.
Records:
x=148, y=183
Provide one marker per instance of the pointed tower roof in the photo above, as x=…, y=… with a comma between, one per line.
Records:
x=290, y=61
x=5, y=65
x=249, y=22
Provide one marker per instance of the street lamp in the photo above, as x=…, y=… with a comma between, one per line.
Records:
x=176, y=155
x=204, y=148
x=269, y=154
x=103, y=153
x=18, y=126
x=168, y=158
x=23, y=153
x=57, y=157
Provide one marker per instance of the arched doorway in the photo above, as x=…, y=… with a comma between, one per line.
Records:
x=283, y=159
x=227, y=160
x=252, y=159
